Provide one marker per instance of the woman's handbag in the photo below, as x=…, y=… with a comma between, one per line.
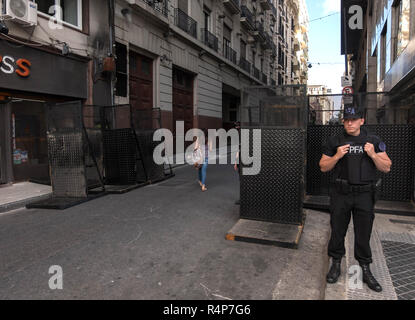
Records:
x=197, y=158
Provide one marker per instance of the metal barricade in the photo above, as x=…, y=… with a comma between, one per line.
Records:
x=145, y=123
x=123, y=157
x=276, y=193
x=388, y=119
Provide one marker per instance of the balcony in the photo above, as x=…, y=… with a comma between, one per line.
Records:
x=274, y=13
x=247, y=18
x=245, y=65
x=266, y=4
x=273, y=49
x=264, y=78
x=267, y=44
x=186, y=23
x=296, y=45
x=210, y=39
x=255, y=72
x=232, y=5
x=273, y=82
x=259, y=32
x=296, y=65
x=229, y=53
x=159, y=5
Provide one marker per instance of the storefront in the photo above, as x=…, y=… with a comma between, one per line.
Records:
x=30, y=78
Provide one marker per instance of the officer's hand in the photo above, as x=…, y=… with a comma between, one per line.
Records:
x=370, y=149
x=342, y=151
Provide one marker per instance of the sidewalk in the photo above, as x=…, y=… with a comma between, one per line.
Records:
x=19, y=194
x=393, y=250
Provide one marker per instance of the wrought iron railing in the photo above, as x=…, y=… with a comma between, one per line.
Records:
x=256, y=72
x=268, y=41
x=259, y=26
x=159, y=5
x=264, y=78
x=247, y=14
x=245, y=65
x=235, y=3
x=210, y=39
x=186, y=23
x=229, y=53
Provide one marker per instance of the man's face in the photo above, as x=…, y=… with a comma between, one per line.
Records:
x=352, y=126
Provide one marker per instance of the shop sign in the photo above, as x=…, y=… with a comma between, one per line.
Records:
x=10, y=65
x=33, y=70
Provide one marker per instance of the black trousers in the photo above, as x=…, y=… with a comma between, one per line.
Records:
x=342, y=207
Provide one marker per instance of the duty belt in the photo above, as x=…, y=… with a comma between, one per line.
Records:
x=346, y=187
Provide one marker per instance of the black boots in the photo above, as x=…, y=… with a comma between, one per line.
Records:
x=369, y=279
x=335, y=271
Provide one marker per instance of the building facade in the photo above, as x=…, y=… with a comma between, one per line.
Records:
x=56, y=60
x=381, y=55
x=189, y=59
x=321, y=104
x=195, y=56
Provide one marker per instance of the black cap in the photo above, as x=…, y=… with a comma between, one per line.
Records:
x=351, y=112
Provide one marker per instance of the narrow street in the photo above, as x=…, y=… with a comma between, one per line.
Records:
x=313, y=100
x=165, y=241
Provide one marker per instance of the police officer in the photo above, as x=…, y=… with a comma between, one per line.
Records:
x=354, y=156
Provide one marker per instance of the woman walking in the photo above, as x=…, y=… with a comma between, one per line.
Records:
x=205, y=152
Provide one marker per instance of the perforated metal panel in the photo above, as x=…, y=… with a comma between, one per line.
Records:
x=318, y=182
x=94, y=156
x=120, y=155
x=67, y=163
x=276, y=193
x=400, y=142
x=147, y=146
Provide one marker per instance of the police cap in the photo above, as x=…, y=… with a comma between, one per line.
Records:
x=352, y=112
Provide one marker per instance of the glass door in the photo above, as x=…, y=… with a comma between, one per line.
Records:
x=5, y=146
x=28, y=140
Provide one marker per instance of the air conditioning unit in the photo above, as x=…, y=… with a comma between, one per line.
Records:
x=20, y=11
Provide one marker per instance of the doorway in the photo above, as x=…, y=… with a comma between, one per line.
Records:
x=28, y=140
x=182, y=100
x=5, y=146
x=141, y=88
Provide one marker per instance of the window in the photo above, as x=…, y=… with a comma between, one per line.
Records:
x=68, y=11
x=208, y=20
x=183, y=6
x=402, y=26
x=243, y=49
x=121, y=67
x=227, y=36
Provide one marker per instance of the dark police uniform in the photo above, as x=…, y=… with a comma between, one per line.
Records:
x=353, y=193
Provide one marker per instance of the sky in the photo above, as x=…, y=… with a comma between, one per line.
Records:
x=324, y=41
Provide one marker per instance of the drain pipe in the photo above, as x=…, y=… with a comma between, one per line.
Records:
x=111, y=13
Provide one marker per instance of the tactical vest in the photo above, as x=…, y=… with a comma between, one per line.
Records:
x=367, y=166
